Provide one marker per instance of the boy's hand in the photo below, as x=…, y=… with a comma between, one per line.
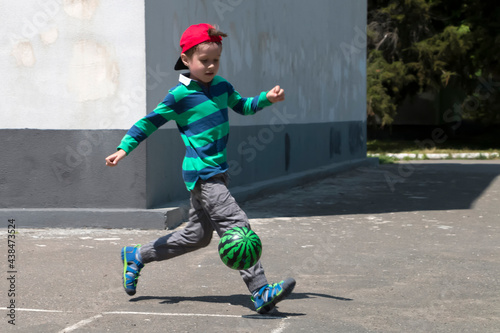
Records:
x=113, y=159
x=276, y=95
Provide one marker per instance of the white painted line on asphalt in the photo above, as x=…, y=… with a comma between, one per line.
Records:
x=167, y=314
x=35, y=310
x=170, y=314
x=87, y=321
x=80, y=324
x=146, y=313
x=186, y=314
x=107, y=239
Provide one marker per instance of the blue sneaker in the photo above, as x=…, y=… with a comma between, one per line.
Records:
x=132, y=265
x=268, y=296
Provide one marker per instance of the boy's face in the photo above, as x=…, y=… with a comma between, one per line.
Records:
x=204, y=63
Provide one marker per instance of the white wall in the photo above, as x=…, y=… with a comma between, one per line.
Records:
x=72, y=64
x=315, y=49
x=299, y=45
x=80, y=64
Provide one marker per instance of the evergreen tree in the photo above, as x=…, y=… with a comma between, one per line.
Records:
x=417, y=45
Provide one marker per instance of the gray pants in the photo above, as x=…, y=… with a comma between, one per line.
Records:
x=212, y=208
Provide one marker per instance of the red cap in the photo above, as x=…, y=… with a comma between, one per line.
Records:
x=194, y=35
x=197, y=34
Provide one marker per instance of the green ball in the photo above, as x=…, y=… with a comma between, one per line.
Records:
x=240, y=248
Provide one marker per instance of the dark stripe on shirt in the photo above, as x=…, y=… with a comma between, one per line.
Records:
x=137, y=133
x=215, y=119
x=187, y=103
x=191, y=176
x=239, y=106
x=210, y=149
x=219, y=89
x=156, y=119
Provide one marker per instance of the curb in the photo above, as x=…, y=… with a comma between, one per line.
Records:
x=86, y=218
x=401, y=156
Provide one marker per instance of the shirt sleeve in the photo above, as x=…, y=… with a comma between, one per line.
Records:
x=146, y=126
x=246, y=105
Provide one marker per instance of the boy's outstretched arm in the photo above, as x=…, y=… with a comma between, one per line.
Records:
x=113, y=159
x=276, y=95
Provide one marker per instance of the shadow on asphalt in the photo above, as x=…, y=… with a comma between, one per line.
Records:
x=239, y=299
x=404, y=187
x=315, y=295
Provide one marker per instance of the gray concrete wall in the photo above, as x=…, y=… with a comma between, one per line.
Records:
x=66, y=169
x=314, y=49
x=257, y=153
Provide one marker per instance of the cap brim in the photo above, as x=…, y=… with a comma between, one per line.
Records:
x=180, y=65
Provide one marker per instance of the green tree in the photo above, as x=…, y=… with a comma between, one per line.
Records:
x=417, y=45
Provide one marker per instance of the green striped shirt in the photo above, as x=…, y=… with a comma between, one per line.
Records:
x=201, y=114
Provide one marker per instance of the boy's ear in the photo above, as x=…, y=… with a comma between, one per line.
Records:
x=184, y=58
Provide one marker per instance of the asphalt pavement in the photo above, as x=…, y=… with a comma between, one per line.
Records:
x=408, y=247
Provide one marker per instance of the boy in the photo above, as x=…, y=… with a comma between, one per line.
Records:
x=198, y=104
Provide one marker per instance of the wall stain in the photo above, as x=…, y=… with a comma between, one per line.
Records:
x=93, y=72
x=49, y=36
x=81, y=9
x=24, y=54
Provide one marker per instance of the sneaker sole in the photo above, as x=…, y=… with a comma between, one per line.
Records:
x=288, y=286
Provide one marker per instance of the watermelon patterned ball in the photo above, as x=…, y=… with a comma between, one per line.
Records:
x=240, y=248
